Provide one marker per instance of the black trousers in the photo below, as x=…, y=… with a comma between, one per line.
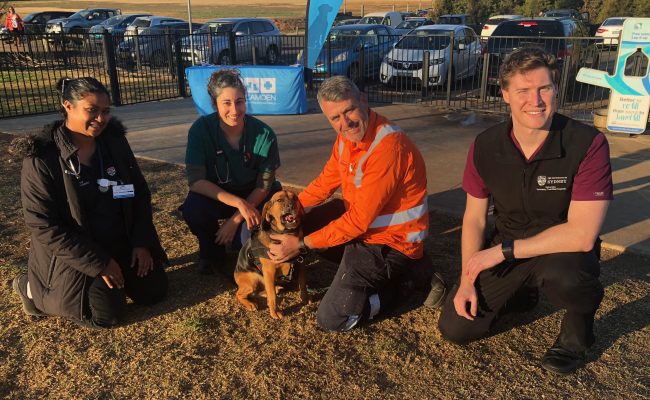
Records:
x=569, y=281
x=103, y=306
x=202, y=214
x=364, y=270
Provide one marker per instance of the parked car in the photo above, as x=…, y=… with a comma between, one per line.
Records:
x=459, y=19
x=388, y=18
x=557, y=36
x=81, y=21
x=567, y=13
x=36, y=22
x=610, y=30
x=346, y=43
x=493, y=21
x=116, y=26
x=411, y=23
x=349, y=21
x=148, y=24
x=405, y=61
x=154, y=47
x=251, y=34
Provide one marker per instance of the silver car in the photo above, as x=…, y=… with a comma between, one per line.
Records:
x=252, y=35
x=405, y=61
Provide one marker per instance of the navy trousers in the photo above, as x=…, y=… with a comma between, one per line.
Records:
x=367, y=278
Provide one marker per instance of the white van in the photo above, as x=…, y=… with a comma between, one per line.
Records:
x=388, y=18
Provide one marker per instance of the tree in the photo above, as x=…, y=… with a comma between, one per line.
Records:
x=574, y=4
x=616, y=8
x=642, y=8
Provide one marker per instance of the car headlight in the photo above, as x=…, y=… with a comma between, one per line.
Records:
x=437, y=61
x=341, y=57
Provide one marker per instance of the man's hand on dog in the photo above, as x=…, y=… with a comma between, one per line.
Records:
x=283, y=247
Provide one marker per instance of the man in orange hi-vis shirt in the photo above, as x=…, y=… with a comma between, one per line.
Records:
x=377, y=231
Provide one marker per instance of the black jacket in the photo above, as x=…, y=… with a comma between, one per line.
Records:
x=62, y=254
x=530, y=197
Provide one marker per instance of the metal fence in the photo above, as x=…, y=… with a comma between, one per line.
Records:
x=432, y=70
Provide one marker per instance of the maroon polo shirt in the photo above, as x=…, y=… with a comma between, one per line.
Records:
x=592, y=182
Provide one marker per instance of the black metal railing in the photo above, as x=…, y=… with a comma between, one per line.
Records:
x=433, y=70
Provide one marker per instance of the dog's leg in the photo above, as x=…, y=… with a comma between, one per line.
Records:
x=302, y=283
x=268, y=271
x=247, y=282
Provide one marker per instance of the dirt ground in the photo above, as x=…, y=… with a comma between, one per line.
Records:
x=205, y=9
x=199, y=343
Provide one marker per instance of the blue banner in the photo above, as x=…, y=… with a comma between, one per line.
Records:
x=270, y=89
x=320, y=16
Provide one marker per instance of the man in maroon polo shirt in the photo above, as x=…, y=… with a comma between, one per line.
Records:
x=549, y=178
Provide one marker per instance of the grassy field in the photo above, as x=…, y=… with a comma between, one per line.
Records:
x=199, y=343
x=206, y=9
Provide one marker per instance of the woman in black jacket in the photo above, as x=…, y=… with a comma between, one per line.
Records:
x=88, y=209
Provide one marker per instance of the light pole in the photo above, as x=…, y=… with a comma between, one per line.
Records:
x=189, y=17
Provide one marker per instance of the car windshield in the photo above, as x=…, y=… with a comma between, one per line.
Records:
x=81, y=14
x=449, y=20
x=425, y=39
x=141, y=23
x=371, y=20
x=409, y=24
x=217, y=27
x=114, y=20
x=614, y=21
x=557, y=14
x=344, y=38
x=29, y=18
x=530, y=28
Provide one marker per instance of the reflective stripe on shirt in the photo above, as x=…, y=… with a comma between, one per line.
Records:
x=400, y=217
x=383, y=132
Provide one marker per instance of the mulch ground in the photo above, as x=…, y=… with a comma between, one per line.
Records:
x=199, y=343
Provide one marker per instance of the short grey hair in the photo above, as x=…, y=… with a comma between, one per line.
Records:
x=338, y=88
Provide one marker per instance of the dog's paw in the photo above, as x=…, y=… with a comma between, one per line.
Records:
x=275, y=314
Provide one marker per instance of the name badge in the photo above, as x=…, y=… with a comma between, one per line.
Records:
x=123, y=191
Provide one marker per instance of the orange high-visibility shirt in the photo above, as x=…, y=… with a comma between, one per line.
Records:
x=384, y=182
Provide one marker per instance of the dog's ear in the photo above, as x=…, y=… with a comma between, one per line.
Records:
x=266, y=216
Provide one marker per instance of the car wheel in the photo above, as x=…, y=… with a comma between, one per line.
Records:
x=224, y=58
x=272, y=55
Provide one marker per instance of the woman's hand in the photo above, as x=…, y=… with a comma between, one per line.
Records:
x=226, y=233
x=250, y=214
x=142, y=256
x=112, y=275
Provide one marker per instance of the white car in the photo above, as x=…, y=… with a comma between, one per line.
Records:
x=610, y=30
x=404, y=62
x=492, y=22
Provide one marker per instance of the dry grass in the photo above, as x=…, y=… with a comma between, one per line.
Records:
x=199, y=343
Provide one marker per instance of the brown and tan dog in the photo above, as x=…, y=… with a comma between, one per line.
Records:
x=282, y=214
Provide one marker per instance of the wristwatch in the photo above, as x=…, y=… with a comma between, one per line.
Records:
x=508, y=249
x=303, y=248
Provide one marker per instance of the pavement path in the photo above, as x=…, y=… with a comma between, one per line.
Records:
x=159, y=131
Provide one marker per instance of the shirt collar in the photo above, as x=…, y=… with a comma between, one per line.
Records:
x=551, y=147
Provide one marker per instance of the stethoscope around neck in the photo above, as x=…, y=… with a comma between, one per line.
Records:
x=102, y=183
x=220, y=153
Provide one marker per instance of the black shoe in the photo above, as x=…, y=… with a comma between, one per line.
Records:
x=19, y=285
x=562, y=361
x=438, y=292
x=206, y=267
x=524, y=300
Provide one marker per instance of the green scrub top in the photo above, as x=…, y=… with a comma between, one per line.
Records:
x=232, y=169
